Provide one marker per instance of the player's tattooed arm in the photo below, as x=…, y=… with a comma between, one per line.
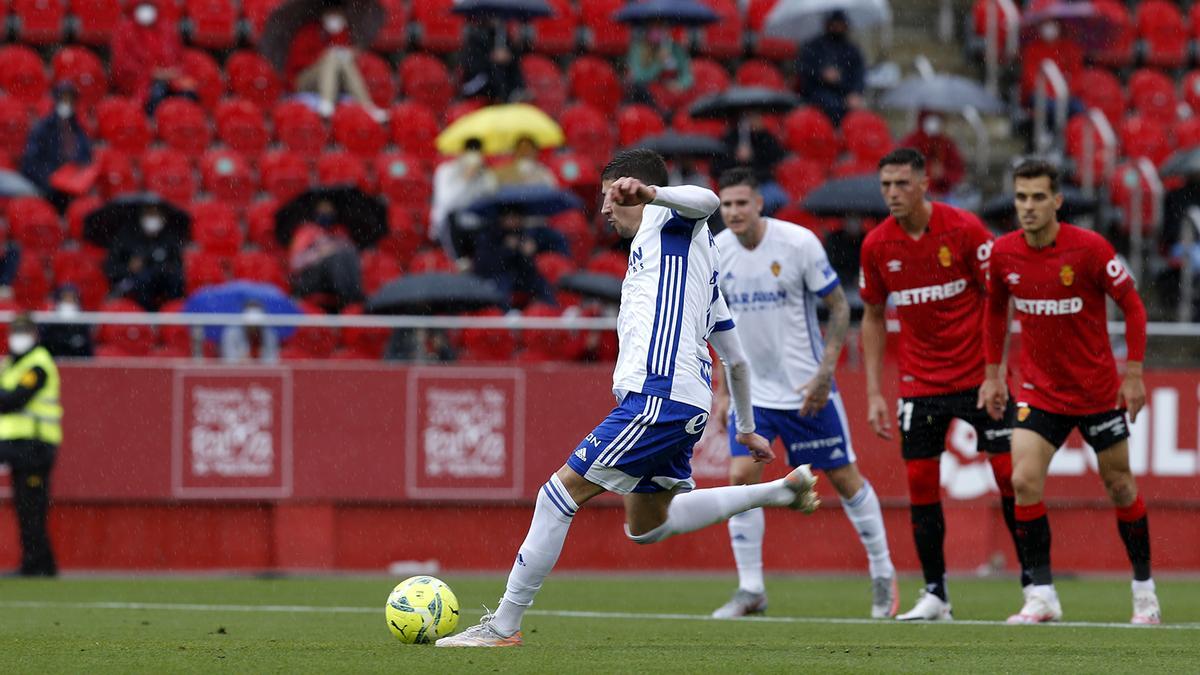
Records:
x=816, y=391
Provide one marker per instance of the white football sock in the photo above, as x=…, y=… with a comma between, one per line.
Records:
x=746, y=534
x=552, y=517
x=864, y=513
x=1147, y=585
x=693, y=510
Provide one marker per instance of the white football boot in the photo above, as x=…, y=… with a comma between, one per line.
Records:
x=481, y=635
x=743, y=603
x=802, y=482
x=885, y=597
x=1145, y=609
x=1041, y=606
x=929, y=607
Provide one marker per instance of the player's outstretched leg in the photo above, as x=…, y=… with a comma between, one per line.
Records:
x=1134, y=528
x=929, y=533
x=1031, y=459
x=861, y=505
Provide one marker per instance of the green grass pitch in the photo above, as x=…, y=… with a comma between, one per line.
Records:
x=580, y=624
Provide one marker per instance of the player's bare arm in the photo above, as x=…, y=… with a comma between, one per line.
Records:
x=874, y=337
x=816, y=391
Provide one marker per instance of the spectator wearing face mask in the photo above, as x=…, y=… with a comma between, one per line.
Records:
x=943, y=162
x=146, y=53
x=67, y=339
x=321, y=59
x=830, y=71
x=525, y=168
x=56, y=140
x=458, y=183
x=659, y=70
x=146, y=264
x=504, y=253
x=324, y=261
x=250, y=342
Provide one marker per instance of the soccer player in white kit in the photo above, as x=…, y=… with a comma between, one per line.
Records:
x=671, y=310
x=773, y=273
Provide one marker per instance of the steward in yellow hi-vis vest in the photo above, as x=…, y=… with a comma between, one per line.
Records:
x=30, y=432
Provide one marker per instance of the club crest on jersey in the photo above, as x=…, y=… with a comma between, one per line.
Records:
x=776, y=268
x=894, y=265
x=944, y=257
x=1066, y=275
x=1022, y=413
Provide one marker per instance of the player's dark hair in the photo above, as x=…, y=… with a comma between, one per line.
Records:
x=640, y=163
x=1036, y=168
x=904, y=157
x=738, y=175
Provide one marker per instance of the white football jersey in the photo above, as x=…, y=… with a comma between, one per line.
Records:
x=773, y=292
x=670, y=302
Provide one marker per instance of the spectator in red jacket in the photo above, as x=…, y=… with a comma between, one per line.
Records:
x=146, y=53
x=943, y=163
x=321, y=59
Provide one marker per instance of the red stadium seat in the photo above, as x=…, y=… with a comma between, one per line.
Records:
x=362, y=343
x=1191, y=90
x=260, y=224
x=202, y=268
x=760, y=73
x=81, y=269
x=174, y=340
x=426, y=81
x=1187, y=134
x=1101, y=89
x=378, y=76
x=798, y=176
x=240, y=126
x=438, y=28
x=488, y=344
x=260, y=266
x=546, y=344
x=588, y=132
x=1125, y=181
x=377, y=269
x=430, y=260
x=853, y=166
x=1151, y=93
x=127, y=339
x=356, y=131
x=609, y=262
x=14, y=127
x=210, y=83
x=775, y=49
x=183, y=125
x=723, y=39
x=1078, y=129
x=82, y=68
x=227, y=176
x=34, y=224
x=251, y=77
x=122, y=123
x=79, y=209
x=39, y=22
x=710, y=77
x=342, y=168
x=556, y=35
x=215, y=228
x=575, y=172
x=605, y=36
x=168, y=173
x=31, y=286
x=553, y=266
x=393, y=36
x=1143, y=137
x=580, y=236
x=1161, y=26
x=299, y=128
x=284, y=174
x=544, y=81
x=809, y=133
x=979, y=22
x=414, y=130
x=866, y=135
x=256, y=13
x=116, y=173
x=593, y=81
x=460, y=108
x=22, y=75
x=95, y=20
x=405, y=234
x=402, y=180
x=213, y=23
x=636, y=121
x=1118, y=52
x=684, y=123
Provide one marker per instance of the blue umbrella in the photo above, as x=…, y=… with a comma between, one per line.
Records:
x=512, y=10
x=231, y=298
x=529, y=200
x=676, y=12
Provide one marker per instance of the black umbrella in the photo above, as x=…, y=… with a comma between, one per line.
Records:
x=13, y=184
x=675, y=12
x=673, y=144
x=510, y=10
x=942, y=93
x=1075, y=203
x=363, y=215
x=105, y=223
x=592, y=285
x=530, y=200
x=737, y=101
x=1182, y=163
x=364, y=19
x=438, y=293
x=854, y=196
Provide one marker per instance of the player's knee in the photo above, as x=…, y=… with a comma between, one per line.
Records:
x=1120, y=487
x=1003, y=472
x=846, y=480
x=651, y=537
x=924, y=478
x=1026, y=488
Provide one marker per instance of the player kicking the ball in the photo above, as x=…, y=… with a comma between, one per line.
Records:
x=773, y=274
x=1057, y=277
x=671, y=310
x=931, y=259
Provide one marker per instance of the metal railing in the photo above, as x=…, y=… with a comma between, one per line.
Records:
x=1108, y=138
x=991, y=49
x=1050, y=81
x=1145, y=173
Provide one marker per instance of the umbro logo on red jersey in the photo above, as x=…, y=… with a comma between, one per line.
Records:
x=1012, y=278
x=894, y=265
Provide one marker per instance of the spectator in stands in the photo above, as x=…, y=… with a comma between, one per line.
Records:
x=525, y=168
x=321, y=59
x=145, y=264
x=751, y=145
x=10, y=262
x=456, y=184
x=56, y=139
x=686, y=171
x=659, y=70
x=504, y=253
x=250, y=342
x=1176, y=217
x=944, y=164
x=1049, y=44
x=491, y=62
x=66, y=339
x=146, y=53
x=324, y=260
x=831, y=72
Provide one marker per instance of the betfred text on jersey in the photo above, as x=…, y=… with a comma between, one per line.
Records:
x=924, y=294
x=1049, y=307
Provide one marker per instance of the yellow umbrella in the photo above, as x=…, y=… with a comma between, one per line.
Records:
x=499, y=127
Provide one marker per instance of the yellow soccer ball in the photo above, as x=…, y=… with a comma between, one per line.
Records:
x=421, y=609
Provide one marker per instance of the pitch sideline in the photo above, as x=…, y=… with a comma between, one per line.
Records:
x=570, y=614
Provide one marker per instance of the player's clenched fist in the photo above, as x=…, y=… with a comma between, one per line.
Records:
x=631, y=192
x=759, y=447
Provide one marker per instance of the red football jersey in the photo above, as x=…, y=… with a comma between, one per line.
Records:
x=938, y=284
x=1058, y=291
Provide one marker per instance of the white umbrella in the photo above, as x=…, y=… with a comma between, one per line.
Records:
x=802, y=20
